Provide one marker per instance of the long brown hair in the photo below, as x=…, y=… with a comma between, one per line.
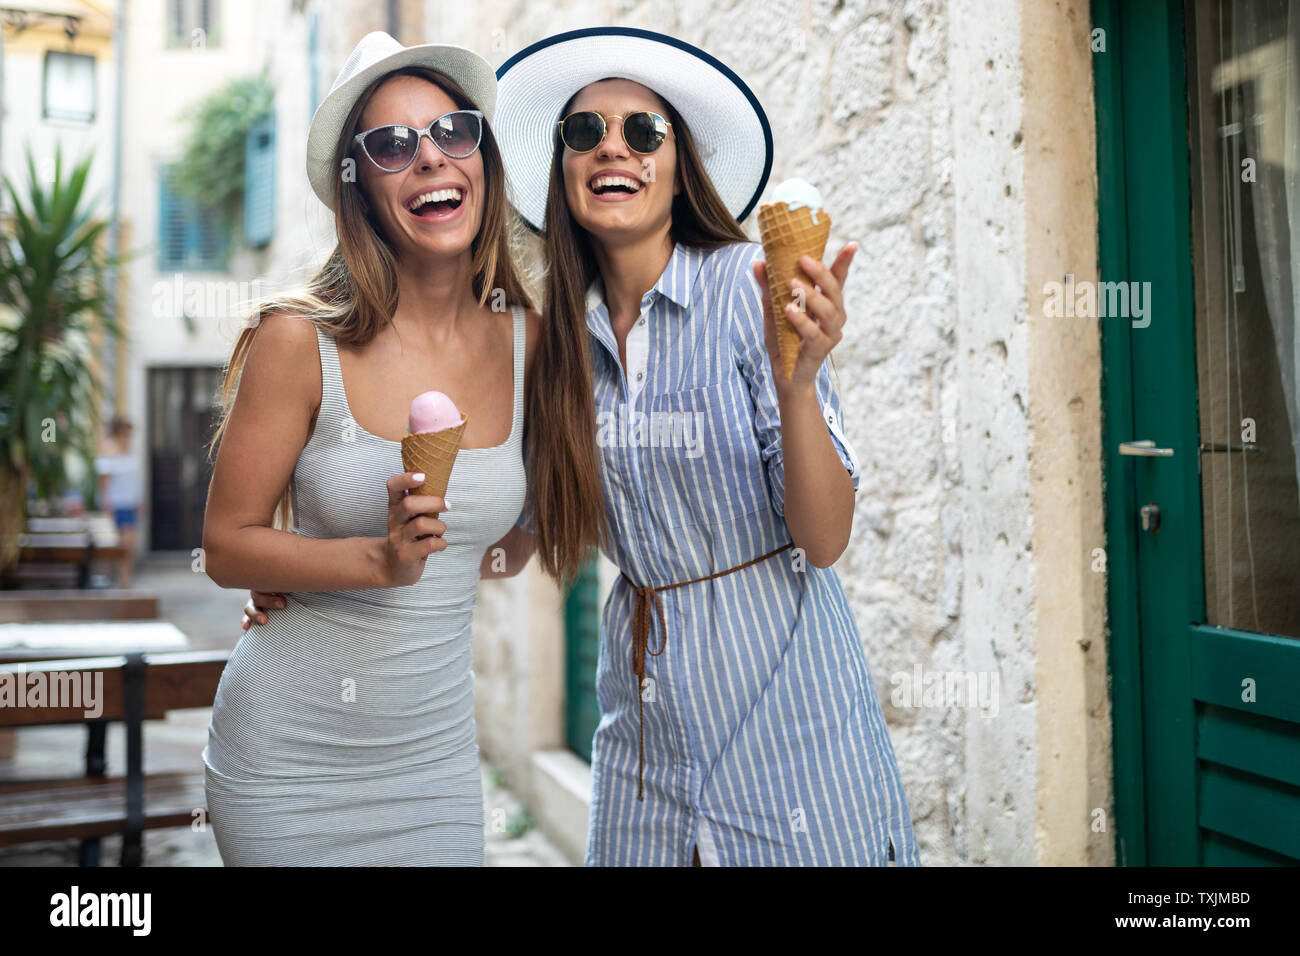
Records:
x=564, y=469
x=354, y=294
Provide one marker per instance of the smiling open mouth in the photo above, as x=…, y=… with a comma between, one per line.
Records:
x=607, y=185
x=435, y=203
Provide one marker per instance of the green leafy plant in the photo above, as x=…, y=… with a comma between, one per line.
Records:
x=211, y=167
x=53, y=294
x=519, y=823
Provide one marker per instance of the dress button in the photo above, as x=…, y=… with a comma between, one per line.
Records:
x=641, y=321
x=640, y=375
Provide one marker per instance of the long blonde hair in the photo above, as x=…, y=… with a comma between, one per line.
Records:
x=354, y=294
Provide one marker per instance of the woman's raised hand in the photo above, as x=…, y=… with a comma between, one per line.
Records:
x=414, y=531
x=817, y=314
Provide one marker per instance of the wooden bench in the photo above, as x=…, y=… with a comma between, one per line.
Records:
x=92, y=807
x=107, y=604
x=135, y=688
x=63, y=550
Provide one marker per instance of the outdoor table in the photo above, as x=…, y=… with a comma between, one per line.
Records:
x=57, y=640
x=72, y=640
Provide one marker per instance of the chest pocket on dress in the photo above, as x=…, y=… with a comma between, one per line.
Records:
x=711, y=458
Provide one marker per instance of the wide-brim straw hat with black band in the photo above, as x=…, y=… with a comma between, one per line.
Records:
x=378, y=54
x=727, y=122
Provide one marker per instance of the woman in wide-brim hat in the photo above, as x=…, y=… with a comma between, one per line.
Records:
x=739, y=720
x=343, y=731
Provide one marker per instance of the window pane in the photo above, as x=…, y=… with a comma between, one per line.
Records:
x=1246, y=232
x=69, y=87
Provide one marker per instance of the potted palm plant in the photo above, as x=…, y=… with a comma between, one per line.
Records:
x=53, y=294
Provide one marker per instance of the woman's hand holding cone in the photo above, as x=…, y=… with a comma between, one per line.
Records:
x=820, y=322
x=414, y=530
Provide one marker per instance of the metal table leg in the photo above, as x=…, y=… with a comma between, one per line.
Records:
x=96, y=766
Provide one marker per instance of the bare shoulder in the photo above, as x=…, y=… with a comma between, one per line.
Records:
x=287, y=330
x=534, y=333
x=284, y=359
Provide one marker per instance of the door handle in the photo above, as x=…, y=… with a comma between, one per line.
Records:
x=1144, y=448
x=1150, y=515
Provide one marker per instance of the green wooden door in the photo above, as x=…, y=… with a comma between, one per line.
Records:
x=581, y=644
x=1204, y=600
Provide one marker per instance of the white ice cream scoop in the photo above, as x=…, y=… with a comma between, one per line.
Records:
x=797, y=193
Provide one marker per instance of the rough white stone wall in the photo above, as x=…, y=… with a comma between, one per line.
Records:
x=1001, y=753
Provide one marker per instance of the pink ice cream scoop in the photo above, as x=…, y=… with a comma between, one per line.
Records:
x=432, y=412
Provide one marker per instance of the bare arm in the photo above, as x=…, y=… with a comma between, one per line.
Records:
x=818, y=491
x=511, y=554
x=268, y=428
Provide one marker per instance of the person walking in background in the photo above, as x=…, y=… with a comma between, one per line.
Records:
x=119, y=492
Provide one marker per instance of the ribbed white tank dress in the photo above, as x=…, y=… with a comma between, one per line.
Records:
x=343, y=730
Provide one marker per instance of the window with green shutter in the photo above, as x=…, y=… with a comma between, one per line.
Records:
x=190, y=236
x=259, y=182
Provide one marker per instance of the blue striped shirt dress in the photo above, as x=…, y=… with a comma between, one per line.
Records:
x=763, y=738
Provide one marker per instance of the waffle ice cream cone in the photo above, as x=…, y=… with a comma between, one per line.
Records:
x=433, y=453
x=788, y=234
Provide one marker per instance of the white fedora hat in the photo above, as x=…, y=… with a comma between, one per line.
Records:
x=378, y=54
x=727, y=122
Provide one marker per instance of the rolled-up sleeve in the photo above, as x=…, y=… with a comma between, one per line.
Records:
x=749, y=343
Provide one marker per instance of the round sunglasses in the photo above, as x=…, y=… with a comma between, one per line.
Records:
x=643, y=131
x=394, y=147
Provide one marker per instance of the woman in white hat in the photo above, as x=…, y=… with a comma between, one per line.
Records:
x=343, y=732
x=739, y=720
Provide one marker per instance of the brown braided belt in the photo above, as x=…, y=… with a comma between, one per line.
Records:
x=641, y=636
